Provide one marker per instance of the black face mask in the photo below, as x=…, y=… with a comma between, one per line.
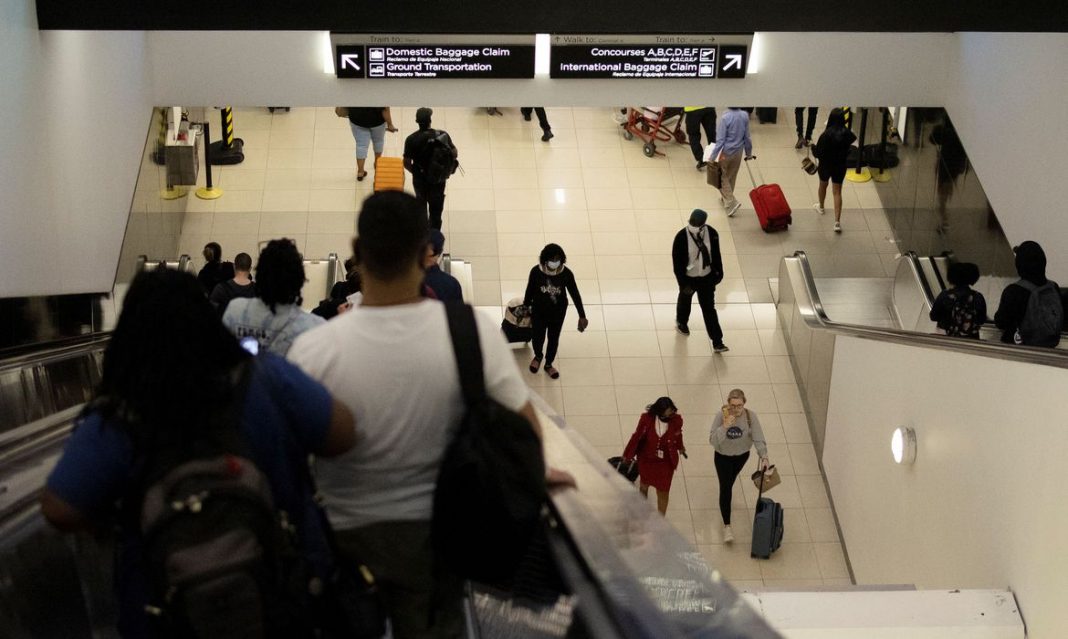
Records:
x=663, y=419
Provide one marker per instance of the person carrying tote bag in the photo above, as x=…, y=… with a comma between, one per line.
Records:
x=735, y=430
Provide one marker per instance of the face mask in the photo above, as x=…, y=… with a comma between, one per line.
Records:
x=695, y=229
x=553, y=265
x=663, y=419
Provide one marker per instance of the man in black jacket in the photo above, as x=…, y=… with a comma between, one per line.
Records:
x=698, y=268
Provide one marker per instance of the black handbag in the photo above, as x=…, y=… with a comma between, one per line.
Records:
x=627, y=469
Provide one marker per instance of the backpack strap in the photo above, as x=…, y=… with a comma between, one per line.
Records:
x=464, y=333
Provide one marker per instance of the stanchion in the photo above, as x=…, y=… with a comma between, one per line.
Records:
x=882, y=175
x=861, y=173
x=847, y=115
x=209, y=191
x=228, y=149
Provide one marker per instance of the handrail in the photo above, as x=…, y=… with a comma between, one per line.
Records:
x=913, y=261
x=56, y=352
x=814, y=316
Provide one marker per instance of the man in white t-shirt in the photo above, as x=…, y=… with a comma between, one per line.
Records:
x=390, y=361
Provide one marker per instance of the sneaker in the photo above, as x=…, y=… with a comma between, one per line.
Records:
x=734, y=208
x=728, y=535
x=819, y=208
x=800, y=142
x=720, y=348
x=837, y=227
x=682, y=328
x=547, y=136
x=701, y=166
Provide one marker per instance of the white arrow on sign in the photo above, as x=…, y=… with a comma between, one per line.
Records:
x=349, y=60
x=733, y=60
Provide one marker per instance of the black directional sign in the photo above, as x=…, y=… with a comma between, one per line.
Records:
x=647, y=57
x=433, y=56
x=732, y=61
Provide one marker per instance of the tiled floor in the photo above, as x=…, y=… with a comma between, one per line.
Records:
x=615, y=212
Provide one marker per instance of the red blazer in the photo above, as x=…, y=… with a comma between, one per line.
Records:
x=670, y=443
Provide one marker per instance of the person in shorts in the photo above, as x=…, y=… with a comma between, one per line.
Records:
x=832, y=150
x=369, y=126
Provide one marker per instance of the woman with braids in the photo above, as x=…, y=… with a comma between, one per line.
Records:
x=169, y=387
x=274, y=318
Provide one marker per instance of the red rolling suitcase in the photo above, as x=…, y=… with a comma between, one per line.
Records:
x=771, y=206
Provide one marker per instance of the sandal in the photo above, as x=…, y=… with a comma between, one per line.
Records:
x=360, y=176
x=535, y=364
x=551, y=372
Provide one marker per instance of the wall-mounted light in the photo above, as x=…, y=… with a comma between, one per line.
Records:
x=903, y=445
x=326, y=52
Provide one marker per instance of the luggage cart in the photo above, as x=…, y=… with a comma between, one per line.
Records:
x=651, y=124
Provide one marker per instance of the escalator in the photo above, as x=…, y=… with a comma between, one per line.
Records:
x=626, y=571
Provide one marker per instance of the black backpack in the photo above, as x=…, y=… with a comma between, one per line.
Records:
x=222, y=561
x=1042, y=321
x=439, y=157
x=491, y=486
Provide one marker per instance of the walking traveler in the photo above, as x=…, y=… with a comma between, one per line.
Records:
x=369, y=126
x=832, y=150
x=697, y=118
x=392, y=363
x=732, y=143
x=735, y=429
x=656, y=444
x=1031, y=311
x=543, y=121
x=176, y=388
x=431, y=158
x=698, y=268
x=240, y=286
x=549, y=284
x=804, y=134
x=273, y=318
x=960, y=311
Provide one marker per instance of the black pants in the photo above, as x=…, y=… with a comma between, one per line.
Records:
x=705, y=287
x=547, y=321
x=543, y=121
x=695, y=121
x=799, y=120
x=432, y=196
x=727, y=469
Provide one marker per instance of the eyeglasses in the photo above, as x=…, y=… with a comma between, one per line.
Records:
x=735, y=405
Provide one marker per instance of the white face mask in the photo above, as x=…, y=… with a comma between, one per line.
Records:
x=553, y=265
x=696, y=230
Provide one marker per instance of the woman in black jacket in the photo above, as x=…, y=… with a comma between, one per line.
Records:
x=547, y=299
x=831, y=150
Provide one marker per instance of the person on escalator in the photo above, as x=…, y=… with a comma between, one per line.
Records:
x=176, y=388
x=961, y=310
x=240, y=286
x=215, y=271
x=657, y=444
x=1031, y=311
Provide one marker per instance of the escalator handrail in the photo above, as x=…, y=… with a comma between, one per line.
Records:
x=921, y=279
x=812, y=313
x=68, y=349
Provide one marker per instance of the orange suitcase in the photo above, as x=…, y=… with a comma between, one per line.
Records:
x=389, y=174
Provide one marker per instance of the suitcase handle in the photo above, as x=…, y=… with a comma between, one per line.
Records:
x=751, y=178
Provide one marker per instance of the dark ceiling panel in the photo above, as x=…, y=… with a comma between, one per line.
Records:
x=557, y=16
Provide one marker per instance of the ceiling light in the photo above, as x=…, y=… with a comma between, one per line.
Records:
x=903, y=445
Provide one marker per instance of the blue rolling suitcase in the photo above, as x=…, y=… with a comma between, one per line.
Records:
x=767, y=525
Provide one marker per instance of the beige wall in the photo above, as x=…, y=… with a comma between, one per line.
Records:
x=984, y=506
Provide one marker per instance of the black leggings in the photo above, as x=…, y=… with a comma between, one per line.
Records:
x=551, y=322
x=727, y=469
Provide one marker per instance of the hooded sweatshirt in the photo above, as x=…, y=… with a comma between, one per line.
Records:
x=1031, y=266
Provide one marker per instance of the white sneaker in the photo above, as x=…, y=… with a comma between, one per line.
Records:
x=819, y=208
x=837, y=227
x=734, y=208
x=728, y=535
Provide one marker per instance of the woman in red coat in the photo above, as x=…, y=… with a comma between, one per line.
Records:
x=657, y=443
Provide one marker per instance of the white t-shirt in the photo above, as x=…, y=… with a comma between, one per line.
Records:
x=394, y=368
x=275, y=332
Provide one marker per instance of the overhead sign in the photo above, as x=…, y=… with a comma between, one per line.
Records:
x=649, y=57
x=432, y=56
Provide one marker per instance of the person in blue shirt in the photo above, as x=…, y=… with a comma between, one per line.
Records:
x=445, y=286
x=732, y=139
x=168, y=370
